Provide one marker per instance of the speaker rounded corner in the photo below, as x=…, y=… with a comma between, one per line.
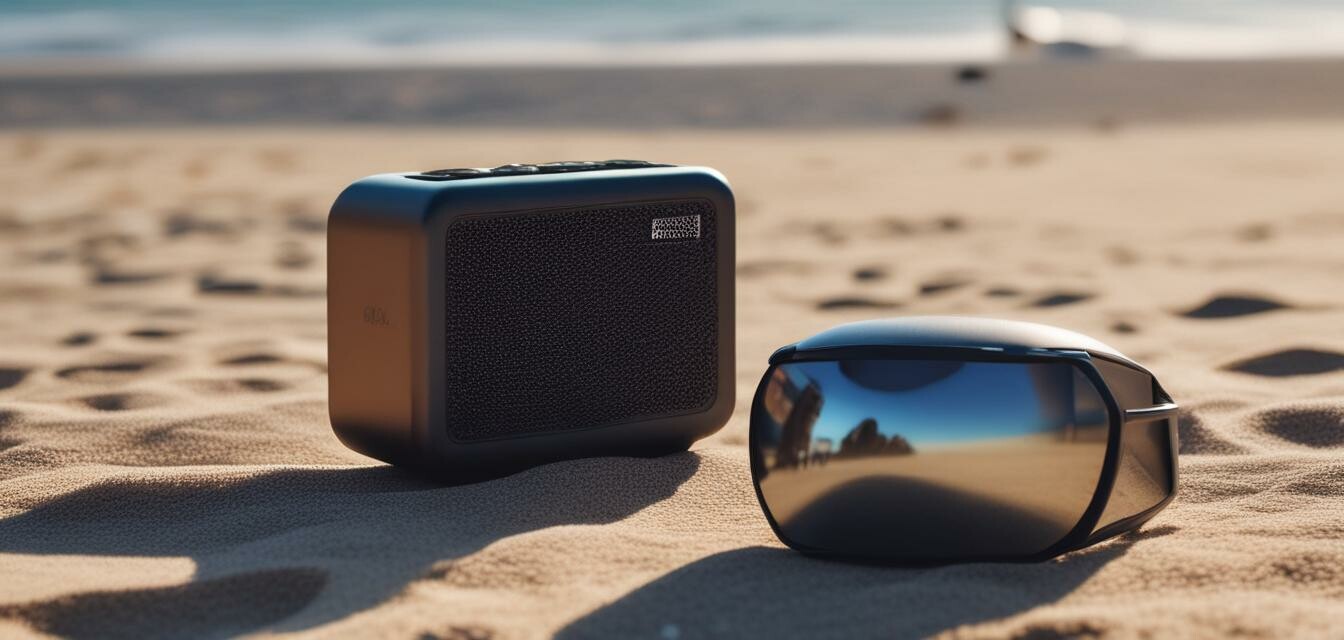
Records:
x=376, y=442
x=715, y=187
x=717, y=415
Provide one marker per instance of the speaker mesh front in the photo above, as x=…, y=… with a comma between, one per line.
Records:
x=564, y=320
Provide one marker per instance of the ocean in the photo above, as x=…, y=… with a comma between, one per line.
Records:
x=672, y=32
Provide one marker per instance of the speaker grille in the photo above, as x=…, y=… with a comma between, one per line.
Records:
x=565, y=320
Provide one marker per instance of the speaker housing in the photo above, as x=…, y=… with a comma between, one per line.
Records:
x=485, y=321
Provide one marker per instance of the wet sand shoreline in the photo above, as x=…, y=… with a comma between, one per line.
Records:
x=1103, y=94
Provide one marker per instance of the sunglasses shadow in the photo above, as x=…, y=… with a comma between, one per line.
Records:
x=761, y=592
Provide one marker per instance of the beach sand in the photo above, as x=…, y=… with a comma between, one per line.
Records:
x=167, y=468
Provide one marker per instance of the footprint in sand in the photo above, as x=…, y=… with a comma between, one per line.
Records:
x=1233, y=307
x=1197, y=437
x=1124, y=327
x=121, y=401
x=240, y=385
x=855, y=302
x=1290, y=362
x=108, y=371
x=1321, y=480
x=1061, y=299
x=252, y=358
x=261, y=385
x=264, y=358
x=950, y=222
x=151, y=333
x=1319, y=425
x=107, y=276
x=1002, y=292
x=870, y=274
x=79, y=339
x=226, y=606
x=10, y=377
x=942, y=285
x=216, y=284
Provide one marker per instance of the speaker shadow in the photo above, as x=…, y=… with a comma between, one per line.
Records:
x=293, y=549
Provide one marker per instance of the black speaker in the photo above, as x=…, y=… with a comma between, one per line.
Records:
x=481, y=321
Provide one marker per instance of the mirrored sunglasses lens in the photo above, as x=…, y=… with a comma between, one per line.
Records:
x=927, y=458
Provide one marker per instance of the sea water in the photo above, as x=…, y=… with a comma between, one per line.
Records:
x=674, y=32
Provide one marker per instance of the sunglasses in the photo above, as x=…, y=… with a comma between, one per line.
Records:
x=944, y=439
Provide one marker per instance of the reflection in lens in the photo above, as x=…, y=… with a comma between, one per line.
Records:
x=925, y=458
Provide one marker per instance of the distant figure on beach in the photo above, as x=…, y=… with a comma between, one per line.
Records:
x=866, y=440
x=1043, y=31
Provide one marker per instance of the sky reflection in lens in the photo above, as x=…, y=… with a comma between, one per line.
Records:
x=928, y=457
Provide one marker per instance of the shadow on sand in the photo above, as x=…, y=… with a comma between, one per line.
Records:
x=294, y=549
x=761, y=592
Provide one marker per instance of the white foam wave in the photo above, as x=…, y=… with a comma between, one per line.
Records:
x=108, y=36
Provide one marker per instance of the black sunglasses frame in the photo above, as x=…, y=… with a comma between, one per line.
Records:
x=1082, y=534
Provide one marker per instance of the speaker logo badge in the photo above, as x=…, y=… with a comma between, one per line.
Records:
x=376, y=316
x=677, y=228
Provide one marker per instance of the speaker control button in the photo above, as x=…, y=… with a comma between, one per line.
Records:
x=514, y=170
x=569, y=166
x=463, y=172
x=563, y=167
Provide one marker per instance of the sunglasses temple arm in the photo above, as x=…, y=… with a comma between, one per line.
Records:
x=1151, y=414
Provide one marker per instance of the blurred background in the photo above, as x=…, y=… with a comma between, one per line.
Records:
x=1163, y=175
x=680, y=32
x=1111, y=165
x=85, y=62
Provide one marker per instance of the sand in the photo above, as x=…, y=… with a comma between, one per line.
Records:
x=167, y=469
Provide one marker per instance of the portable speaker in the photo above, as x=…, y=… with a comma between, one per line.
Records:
x=481, y=321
